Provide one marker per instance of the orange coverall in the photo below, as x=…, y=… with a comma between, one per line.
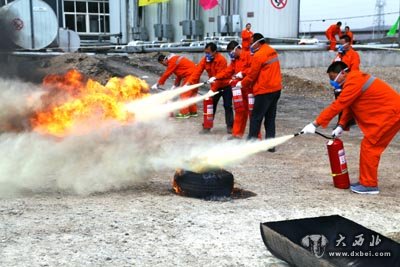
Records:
x=351, y=58
x=376, y=108
x=246, y=39
x=265, y=72
x=265, y=79
x=241, y=64
x=213, y=68
x=350, y=34
x=331, y=33
x=217, y=65
x=182, y=68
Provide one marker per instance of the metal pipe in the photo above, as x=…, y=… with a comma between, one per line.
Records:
x=32, y=26
x=173, y=49
x=135, y=19
x=298, y=19
x=236, y=7
x=58, y=23
x=120, y=21
x=159, y=13
x=167, y=7
x=188, y=9
x=200, y=48
x=143, y=18
x=398, y=33
x=225, y=5
x=197, y=10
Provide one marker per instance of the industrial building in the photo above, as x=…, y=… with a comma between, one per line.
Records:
x=123, y=21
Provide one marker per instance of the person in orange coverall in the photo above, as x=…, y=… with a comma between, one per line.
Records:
x=266, y=80
x=331, y=33
x=376, y=108
x=350, y=57
x=347, y=54
x=237, y=69
x=349, y=33
x=213, y=63
x=182, y=67
x=246, y=37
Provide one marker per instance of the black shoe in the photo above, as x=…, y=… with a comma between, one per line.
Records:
x=229, y=130
x=272, y=150
x=205, y=131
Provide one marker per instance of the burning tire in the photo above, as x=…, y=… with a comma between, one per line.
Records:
x=212, y=183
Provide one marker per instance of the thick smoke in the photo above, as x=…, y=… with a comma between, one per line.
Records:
x=110, y=158
x=18, y=101
x=80, y=164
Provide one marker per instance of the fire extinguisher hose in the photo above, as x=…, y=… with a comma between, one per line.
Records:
x=324, y=136
x=320, y=134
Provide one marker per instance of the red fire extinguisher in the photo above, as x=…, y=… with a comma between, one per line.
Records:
x=208, y=113
x=237, y=99
x=251, y=102
x=337, y=159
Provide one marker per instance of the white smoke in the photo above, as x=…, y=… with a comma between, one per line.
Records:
x=111, y=158
x=96, y=162
x=17, y=101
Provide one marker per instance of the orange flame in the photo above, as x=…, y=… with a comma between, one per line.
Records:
x=72, y=99
x=175, y=187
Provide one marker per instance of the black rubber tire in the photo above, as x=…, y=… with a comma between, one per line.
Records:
x=213, y=183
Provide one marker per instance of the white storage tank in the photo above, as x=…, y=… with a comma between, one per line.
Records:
x=32, y=23
x=68, y=40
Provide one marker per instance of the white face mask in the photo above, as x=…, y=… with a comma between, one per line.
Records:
x=335, y=83
x=252, y=50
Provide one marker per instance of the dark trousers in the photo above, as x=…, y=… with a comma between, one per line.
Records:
x=264, y=108
x=226, y=95
x=350, y=122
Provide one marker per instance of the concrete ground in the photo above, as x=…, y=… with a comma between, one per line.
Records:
x=145, y=224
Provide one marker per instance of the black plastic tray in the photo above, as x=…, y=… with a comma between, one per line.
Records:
x=290, y=241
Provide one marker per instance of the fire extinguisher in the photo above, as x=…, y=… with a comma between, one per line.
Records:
x=237, y=99
x=337, y=159
x=208, y=113
x=251, y=103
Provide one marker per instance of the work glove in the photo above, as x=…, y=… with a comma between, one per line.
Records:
x=337, y=132
x=154, y=86
x=172, y=87
x=309, y=129
x=211, y=80
x=239, y=84
x=238, y=75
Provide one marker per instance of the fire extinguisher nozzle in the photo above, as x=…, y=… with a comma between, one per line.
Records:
x=299, y=133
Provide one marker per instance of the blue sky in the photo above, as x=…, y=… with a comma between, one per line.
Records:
x=324, y=9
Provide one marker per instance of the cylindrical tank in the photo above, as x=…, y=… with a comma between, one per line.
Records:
x=68, y=40
x=31, y=23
